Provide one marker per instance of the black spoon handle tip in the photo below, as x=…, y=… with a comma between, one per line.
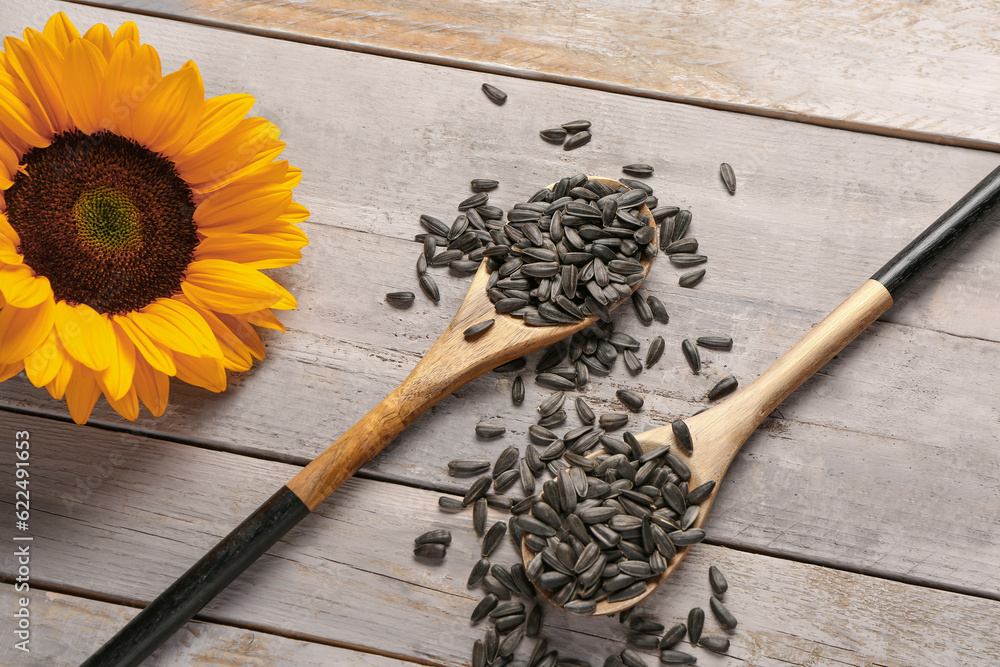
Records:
x=979, y=204
x=185, y=597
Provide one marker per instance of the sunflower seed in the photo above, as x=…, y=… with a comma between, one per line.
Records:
x=632, y=659
x=505, y=461
x=533, y=526
x=576, y=140
x=533, y=622
x=477, y=329
x=698, y=494
x=683, y=435
x=687, y=537
x=439, y=536
x=430, y=288
x=555, y=135
x=477, y=490
x=576, y=126
x=723, y=387
x=722, y=614
x=632, y=362
x=400, y=299
x=655, y=351
x=671, y=657
x=691, y=355
x=479, y=512
x=611, y=421
x=510, y=642
x=485, y=606
x=488, y=431
x=646, y=626
x=493, y=537
x=682, y=223
x=630, y=399
x=505, y=480
x=464, y=467
x=716, y=342
x=484, y=184
x=658, y=309
x=421, y=264
x=582, y=607
x=496, y=95
x=517, y=391
x=636, y=589
x=691, y=278
x=685, y=245
x=728, y=177
x=431, y=551
x=686, y=259
x=449, y=504
x=553, y=381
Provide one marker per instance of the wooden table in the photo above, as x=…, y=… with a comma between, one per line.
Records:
x=859, y=526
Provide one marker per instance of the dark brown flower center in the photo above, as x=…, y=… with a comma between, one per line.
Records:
x=108, y=222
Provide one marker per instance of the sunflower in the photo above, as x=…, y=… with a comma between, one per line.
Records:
x=135, y=219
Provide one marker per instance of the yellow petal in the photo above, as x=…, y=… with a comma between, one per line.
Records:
x=47, y=65
x=296, y=213
x=20, y=120
x=85, y=67
x=222, y=160
x=9, y=159
x=155, y=354
x=235, y=355
x=228, y=287
x=42, y=365
x=127, y=406
x=170, y=326
x=57, y=388
x=263, y=318
x=24, y=329
x=10, y=370
x=100, y=36
x=8, y=252
x=201, y=372
x=36, y=82
x=116, y=379
x=238, y=209
x=152, y=388
x=87, y=335
x=21, y=288
x=246, y=333
x=61, y=31
x=166, y=120
x=127, y=32
x=113, y=98
x=219, y=116
x=285, y=231
x=132, y=80
x=82, y=393
x=254, y=251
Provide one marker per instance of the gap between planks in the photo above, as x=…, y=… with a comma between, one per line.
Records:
x=549, y=77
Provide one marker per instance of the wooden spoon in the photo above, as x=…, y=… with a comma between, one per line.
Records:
x=719, y=432
x=450, y=363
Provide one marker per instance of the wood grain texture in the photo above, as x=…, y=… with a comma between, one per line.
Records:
x=152, y=513
x=905, y=68
x=63, y=626
x=894, y=417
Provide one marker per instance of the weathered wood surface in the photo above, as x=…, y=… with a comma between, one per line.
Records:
x=895, y=416
x=65, y=628
x=903, y=68
x=148, y=508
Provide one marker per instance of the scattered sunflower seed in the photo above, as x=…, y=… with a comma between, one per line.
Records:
x=683, y=436
x=726, y=385
x=555, y=135
x=716, y=342
x=488, y=431
x=583, y=411
x=638, y=169
x=673, y=636
x=728, y=177
x=715, y=644
x=439, y=536
x=400, y=299
x=430, y=288
x=432, y=551
x=576, y=140
x=464, y=467
x=630, y=399
x=477, y=490
x=576, y=126
x=696, y=621
x=517, y=391
x=658, y=309
x=722, y=614
x=477, y=329
x=691, y=278
x=496, y=95
x=717, y=580
x=611, y=421
x=493, y=537
x=450, y=504
x=484, y=184
x=672, y=657
x=479, y=515
x=655, y=351
x=691, y=355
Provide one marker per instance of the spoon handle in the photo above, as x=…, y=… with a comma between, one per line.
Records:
x=732, y=423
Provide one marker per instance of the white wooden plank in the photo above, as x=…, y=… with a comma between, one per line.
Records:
x=345, y=575
x=65, y=629
x=911, y=69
